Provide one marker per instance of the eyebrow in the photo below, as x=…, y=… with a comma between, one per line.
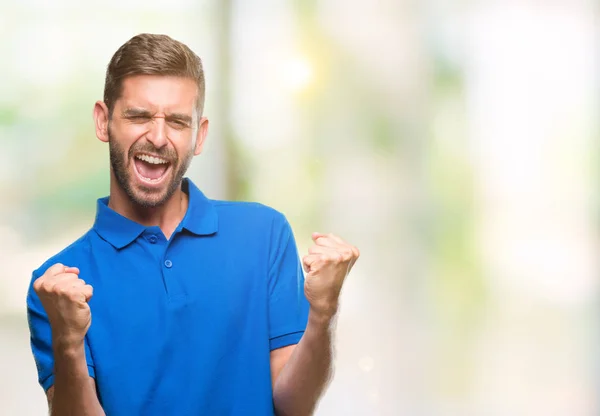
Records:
x=140, y=112
x=181, y=117
x=136, y=112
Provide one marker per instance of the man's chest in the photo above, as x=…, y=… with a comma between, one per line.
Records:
x=164, y=296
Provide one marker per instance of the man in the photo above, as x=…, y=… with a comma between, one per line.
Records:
x=200, y=307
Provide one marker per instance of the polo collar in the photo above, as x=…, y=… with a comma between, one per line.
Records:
x=200, y=219
x=201, y=216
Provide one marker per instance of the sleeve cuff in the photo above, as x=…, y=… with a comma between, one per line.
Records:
x=49, y=381
x=285, y=340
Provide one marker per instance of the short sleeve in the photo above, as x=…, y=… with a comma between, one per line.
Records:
x=41, y=339
x=288, y=307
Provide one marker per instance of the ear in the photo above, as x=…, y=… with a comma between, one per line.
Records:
x=101, y=118
x=201, y=136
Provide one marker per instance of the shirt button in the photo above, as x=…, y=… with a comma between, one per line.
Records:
x=152, y=239
x=168, y=263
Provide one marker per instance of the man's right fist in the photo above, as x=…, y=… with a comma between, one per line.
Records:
x=64, y=296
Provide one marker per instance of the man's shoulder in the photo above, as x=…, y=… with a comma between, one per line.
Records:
x=247, y=210
x=71, y=255
x=252, y=218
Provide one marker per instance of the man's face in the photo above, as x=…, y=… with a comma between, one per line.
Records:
x=153, y=135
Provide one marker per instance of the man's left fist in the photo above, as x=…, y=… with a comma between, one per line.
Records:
x=327, y=264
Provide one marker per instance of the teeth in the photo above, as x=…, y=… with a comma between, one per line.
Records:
x=152, y=180
x=152, y=159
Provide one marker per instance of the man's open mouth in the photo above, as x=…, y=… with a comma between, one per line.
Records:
x=150, y=169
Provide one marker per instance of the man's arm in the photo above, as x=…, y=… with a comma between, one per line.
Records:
x=64, y=297
x=301, y=372
x=74, y=391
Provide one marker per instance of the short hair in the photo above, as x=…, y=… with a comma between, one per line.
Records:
x=152, y=54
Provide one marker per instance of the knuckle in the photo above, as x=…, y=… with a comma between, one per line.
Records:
x=55, y=268
x=61, y=290
x=73, y=295
x=38, y=284
x=47, y=286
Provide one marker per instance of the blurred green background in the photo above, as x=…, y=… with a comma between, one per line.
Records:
x=454, y=142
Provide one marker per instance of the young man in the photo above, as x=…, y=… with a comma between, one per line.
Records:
x=200, y=307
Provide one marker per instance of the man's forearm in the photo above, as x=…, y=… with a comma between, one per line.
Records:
x=74, y=391
x=305, y=376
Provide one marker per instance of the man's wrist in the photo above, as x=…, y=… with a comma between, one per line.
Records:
x=320, y=320
x=69, y=361
x=67, y=346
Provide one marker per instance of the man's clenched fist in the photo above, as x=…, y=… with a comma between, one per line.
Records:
x=64, y=297
x=327, y=264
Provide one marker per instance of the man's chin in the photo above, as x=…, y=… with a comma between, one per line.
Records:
x=149, y=198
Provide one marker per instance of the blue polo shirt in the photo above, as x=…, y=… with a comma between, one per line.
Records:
x=184, y=326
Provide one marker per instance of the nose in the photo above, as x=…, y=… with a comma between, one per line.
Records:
x=157, y=134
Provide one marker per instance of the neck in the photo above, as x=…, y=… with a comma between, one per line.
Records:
x=166, y=216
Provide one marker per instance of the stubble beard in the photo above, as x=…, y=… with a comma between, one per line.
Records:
x=142, y=196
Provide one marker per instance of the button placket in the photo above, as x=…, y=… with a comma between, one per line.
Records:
x=175, y=291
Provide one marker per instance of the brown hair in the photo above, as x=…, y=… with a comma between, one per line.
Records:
x=149, y=54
